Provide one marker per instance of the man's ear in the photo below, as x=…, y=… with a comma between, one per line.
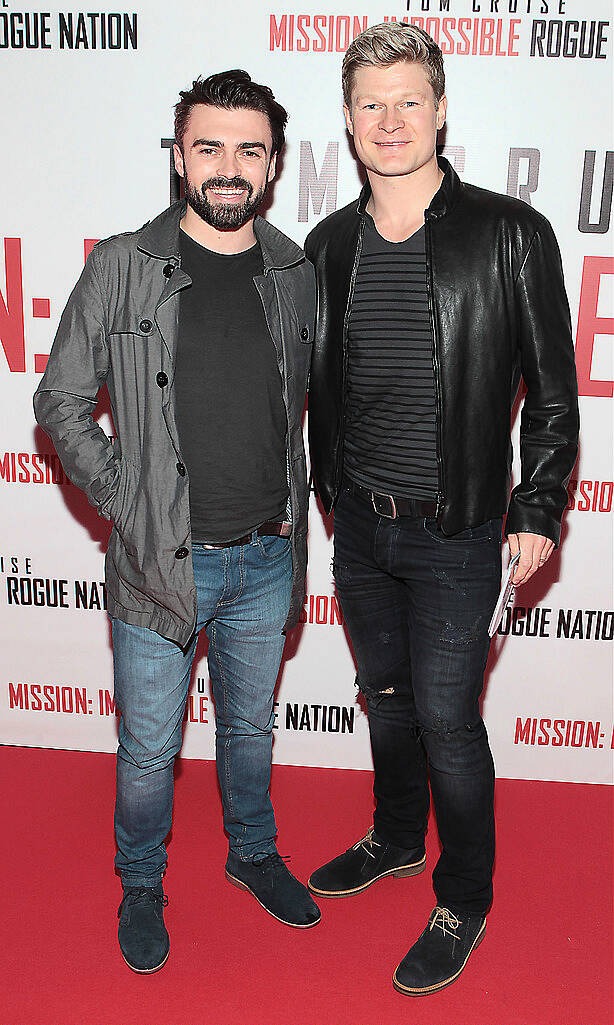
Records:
x=348, y=119
x=178, y=158
x=272, y=166
x=442, y=110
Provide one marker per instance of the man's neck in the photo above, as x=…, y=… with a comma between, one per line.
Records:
x=397, y=204
x=226, y=242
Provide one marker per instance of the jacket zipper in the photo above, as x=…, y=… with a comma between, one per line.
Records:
x=346, y=322
x=436, y=368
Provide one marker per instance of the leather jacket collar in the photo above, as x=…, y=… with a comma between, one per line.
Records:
x=445, y=198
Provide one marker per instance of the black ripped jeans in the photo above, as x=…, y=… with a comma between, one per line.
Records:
x=417, y=606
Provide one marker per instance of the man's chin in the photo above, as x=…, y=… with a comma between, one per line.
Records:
x=229, y=218
x=221, y=216
x=224, y=216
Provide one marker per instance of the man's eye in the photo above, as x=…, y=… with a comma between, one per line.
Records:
x=370, y=106
x=206, y=151
x=251, y=153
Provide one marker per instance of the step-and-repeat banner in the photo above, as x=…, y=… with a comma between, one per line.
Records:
x=87, y=129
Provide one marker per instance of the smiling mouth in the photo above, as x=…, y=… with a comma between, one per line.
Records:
x=227, y=194
x=391, y=145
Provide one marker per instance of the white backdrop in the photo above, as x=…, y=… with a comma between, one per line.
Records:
x=86, y=119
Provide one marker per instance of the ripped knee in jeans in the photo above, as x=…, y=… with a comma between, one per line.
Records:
x=445, y=728
x=376, y=692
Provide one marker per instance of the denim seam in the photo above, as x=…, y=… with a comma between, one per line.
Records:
x=375, y=539
x=225, y=696
x=235, y=597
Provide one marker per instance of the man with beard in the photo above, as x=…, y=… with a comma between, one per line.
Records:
x=200, y=324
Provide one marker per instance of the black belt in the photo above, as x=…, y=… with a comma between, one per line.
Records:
x=268, y=529
x=390, y=506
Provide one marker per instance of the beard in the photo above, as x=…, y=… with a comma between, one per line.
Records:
x=223, y=216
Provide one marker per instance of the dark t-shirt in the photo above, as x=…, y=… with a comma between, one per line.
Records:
x=390, y=435
x=230, y=412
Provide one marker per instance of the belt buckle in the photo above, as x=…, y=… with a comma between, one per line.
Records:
x=392, y=515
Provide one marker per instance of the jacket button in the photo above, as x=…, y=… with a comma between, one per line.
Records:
x=305, y=334
x=145, y=326
x=181, y=469
x=181, y=553
x=161, y=379
x=168, y=270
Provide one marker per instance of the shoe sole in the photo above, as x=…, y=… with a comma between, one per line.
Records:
x=409, y=992
x=243, y=886
x=145, y=971
x=406, y=870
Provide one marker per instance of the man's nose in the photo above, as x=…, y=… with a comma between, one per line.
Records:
x=228, y=166
x=391, y=119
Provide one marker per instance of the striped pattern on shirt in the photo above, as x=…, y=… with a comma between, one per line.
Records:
x=390, y=433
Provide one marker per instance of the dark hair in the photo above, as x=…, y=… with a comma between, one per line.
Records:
x=232, y=90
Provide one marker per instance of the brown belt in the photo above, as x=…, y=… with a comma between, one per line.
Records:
x=268, y=529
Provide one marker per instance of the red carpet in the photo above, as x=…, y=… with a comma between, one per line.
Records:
x=546, y=959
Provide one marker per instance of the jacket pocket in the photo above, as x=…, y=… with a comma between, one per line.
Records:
x=122, y=503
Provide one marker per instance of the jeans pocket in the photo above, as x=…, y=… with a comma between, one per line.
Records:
x=489, y=531
x=274, y=547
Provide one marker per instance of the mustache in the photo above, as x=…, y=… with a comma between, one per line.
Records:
x=227, y=183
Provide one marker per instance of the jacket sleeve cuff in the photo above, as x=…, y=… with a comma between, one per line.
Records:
x=533, y=520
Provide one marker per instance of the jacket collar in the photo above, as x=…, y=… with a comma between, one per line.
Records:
x=160, y=238
x=278, y=251
x=442, y=202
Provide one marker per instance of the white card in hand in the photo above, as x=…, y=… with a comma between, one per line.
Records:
x=506, y=595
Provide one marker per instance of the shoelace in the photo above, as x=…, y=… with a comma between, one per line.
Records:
x=269, y=861
x=367, y=842
x=144, y=895
x=446, y=921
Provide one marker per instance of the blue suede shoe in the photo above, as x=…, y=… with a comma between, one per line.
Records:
x=143, y=939
x=363, y=864
x=439, y=955
x=267, y=878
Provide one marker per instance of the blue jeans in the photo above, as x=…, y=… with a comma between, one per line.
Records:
x=417, y=606
x=243, y=599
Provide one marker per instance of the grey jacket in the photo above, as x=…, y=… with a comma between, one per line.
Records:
x=120, y=327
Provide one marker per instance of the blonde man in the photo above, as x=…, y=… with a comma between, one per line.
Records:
x=435, y=297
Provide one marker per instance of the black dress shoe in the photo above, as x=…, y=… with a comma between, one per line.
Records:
x=267, y=878
x=143, y=939
x=439, y=955
x=363, y=864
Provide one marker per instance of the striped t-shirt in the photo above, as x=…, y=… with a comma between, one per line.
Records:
x=390, y=432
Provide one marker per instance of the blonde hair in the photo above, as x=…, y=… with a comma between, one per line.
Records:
x=390, y=43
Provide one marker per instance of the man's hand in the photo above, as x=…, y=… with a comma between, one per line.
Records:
x=534, y=550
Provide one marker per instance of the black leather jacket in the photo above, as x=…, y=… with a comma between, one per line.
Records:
x=499, y=311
